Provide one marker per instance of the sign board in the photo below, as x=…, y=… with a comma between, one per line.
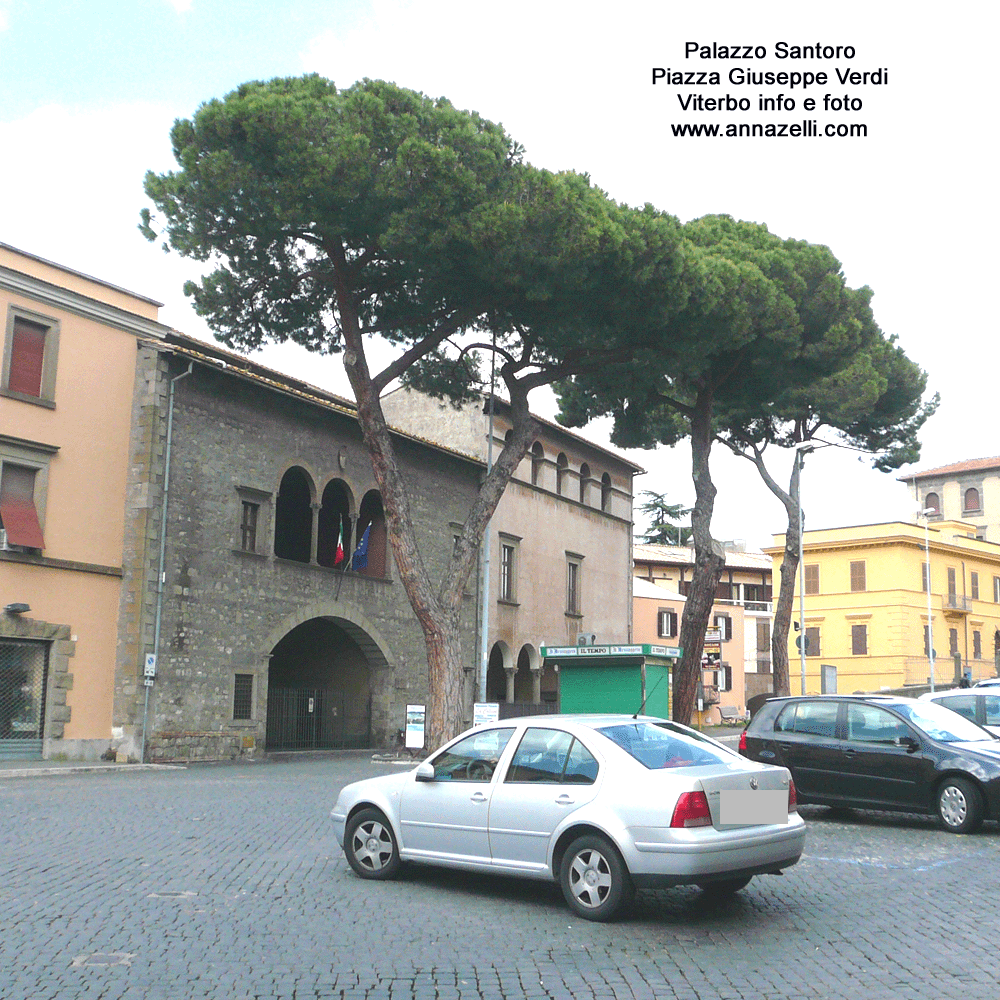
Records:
x=484, y=712
x=149, y=669
x=634, y=650
x=148, y=681
x=414, y=731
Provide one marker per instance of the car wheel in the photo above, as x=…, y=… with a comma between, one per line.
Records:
x=594, y=878
x=959, y=805
x=370, y=845
x=724, y=887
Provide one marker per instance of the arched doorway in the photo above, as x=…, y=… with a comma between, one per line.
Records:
x=319, y=687
x=496, y=672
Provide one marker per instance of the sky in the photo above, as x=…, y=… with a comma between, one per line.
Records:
x=90, y=90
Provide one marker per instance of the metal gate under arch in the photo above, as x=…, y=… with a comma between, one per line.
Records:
x=316, y=719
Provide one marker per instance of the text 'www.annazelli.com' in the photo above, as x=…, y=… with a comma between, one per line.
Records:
x=808, y=128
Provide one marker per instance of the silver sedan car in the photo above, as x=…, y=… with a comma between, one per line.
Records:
x=603, y=804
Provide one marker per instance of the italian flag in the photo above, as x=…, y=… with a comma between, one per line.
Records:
x=339, y=557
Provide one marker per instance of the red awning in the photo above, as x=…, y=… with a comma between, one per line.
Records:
x=20, y=520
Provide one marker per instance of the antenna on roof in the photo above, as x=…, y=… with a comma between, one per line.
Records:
x=651, y=693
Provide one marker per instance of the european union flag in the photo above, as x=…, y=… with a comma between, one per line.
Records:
x=360, y=558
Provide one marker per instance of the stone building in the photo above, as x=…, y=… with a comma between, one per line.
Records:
x=263, y=636
x=560, y=543
x=963, y=491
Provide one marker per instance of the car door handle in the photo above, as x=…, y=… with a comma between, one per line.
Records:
x=849, y=753
x=564, y=800
x=478, y=797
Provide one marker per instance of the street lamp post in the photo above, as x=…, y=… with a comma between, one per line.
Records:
x=926, y=514
x=801, y=450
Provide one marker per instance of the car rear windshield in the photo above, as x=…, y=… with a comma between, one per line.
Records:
x=661, y=744
x=941, y=723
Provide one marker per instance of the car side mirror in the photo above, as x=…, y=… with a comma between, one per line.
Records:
x=425, y=771
x=909, y=742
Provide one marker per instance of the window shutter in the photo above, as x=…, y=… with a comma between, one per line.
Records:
x=26, y=355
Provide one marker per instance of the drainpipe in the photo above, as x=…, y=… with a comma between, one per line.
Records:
x=163, y=544
x=484, y=638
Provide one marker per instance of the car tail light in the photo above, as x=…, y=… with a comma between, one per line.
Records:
x=743, y=741
x=793, y=802
x=691, y=810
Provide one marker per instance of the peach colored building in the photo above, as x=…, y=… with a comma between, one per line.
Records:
x=68, y=370
x=743, y=607
x=560, y=541
x=657, y=615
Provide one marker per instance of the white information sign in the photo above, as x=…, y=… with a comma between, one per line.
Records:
x=484, y=712
x=149, y=669
x=415, y=715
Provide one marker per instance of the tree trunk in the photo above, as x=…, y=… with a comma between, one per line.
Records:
x=439, y=614
x=709, y=559
x=780, y=677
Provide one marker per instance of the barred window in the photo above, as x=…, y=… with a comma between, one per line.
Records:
x=243, y=697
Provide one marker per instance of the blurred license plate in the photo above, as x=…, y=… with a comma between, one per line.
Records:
x=744, y=807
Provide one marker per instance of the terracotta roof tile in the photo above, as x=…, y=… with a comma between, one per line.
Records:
x=970, y=465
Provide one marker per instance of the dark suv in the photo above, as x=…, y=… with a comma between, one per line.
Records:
x=880, y=752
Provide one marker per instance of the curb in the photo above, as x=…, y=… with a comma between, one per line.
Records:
x=39, y=772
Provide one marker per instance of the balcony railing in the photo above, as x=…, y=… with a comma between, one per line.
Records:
x=955, y=602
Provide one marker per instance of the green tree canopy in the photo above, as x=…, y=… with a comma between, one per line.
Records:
x=342, y=218
x=772, y=320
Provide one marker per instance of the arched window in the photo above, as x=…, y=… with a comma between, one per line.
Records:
x=584, y=481
x=606, y=492
x=371, y=518
x=537, y=458
x=293, y=516
x=971, y=499
x=933, y=502
x=334, y=525
x=562, y=472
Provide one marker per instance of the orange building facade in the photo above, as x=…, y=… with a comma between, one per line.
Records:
x=68, y=372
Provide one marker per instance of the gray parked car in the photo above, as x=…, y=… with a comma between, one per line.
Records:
x=978, y=704
x=603, y=804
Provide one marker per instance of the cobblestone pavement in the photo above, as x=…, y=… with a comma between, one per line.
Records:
x=223, y=882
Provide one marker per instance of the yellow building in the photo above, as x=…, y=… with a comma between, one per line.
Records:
x=866, y=607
